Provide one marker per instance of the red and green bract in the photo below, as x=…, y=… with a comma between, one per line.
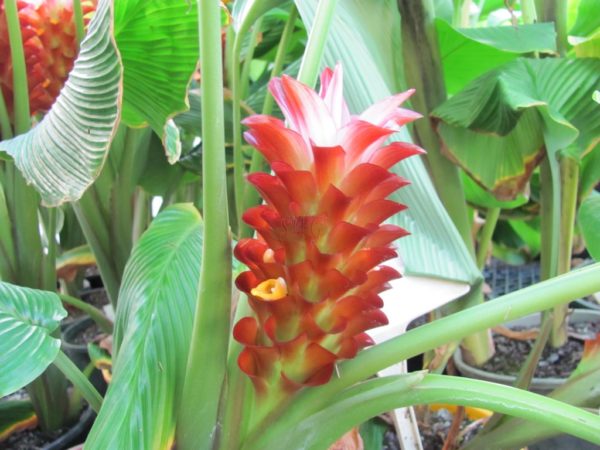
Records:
x=315, y=271
x=50, y=45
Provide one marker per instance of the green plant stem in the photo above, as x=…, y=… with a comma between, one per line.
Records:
x=378, y=395
x=462, y=12
x=78, y=18
x=79, y=380
x=423, y=71
x=49, y=264
x=141, y=214
x=251, y=197
x=550, y=220
x=311, y=61
x=5, y=128
x=96, y=234
x=96, y=315
x=528, y=11
x=485, y=237
x=535, y=298
x=236, y=94
x=19, y=72
x=555, y=11
x=205, y=374
x=245, y=75
x=569, y=174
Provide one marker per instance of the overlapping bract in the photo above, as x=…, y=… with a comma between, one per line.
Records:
x=50, y=45
x=315, y=271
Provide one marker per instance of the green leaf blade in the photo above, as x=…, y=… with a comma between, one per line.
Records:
x=158, y=43
x=589, y=220
x=28, y=317
x=152, y=334
x=63, y=155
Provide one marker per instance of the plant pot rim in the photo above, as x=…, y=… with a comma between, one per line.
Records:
x=71, y=330
x=538, y=384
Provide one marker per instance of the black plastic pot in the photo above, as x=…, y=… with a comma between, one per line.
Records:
x=78, y=353
x=74, y=435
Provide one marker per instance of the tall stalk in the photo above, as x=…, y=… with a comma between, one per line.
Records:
x=33, y=268
x=205, y=374
x=423, y=71
x=251, y=197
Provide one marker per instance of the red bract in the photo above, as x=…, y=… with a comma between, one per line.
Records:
x=50, y=45
x=315, y=271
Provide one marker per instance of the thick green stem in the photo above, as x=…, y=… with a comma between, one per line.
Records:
x=245, y=76
x=555, y=11
x=78, y=18
x=535, y=298
x=311, y=62
x=96, y=315
x=79, y=380
x=19, y=69
x=95, y=231
x=462, y=13
x=251, y=197
x=423, y=71
x=205, y=375
x=236, y=94
x=141, y=214
x=569, y=174
x=485, y=237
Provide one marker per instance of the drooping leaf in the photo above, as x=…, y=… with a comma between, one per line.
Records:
x=16, y=415
x=494, y=127
x=158, y=43
x=373, y=397
x=359, y=39
x=144, y=82
x=152, y=335
x=590, y=170
x=500, y=164
x=589, y=221
x=470, y=52
x=480, y=198
x=28, y=317
x=63, y=154
x=69, y=262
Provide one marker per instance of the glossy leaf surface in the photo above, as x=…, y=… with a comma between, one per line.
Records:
x=152, y=335
x=28, y=317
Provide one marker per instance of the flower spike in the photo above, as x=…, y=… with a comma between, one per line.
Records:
x=315, y=270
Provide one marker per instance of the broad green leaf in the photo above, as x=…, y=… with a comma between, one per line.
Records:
x=158, y=43
x=373, y=397
x=359, y=39
x=481, y=198
x=589, y=221
x=500, y=164
x=28, y=317
x=503, y=114
x=588, y=48
x=152, y=335
x=16, y=415
x=470, y=52
x=144, y=82
x=63, y=154
x=588, y=18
